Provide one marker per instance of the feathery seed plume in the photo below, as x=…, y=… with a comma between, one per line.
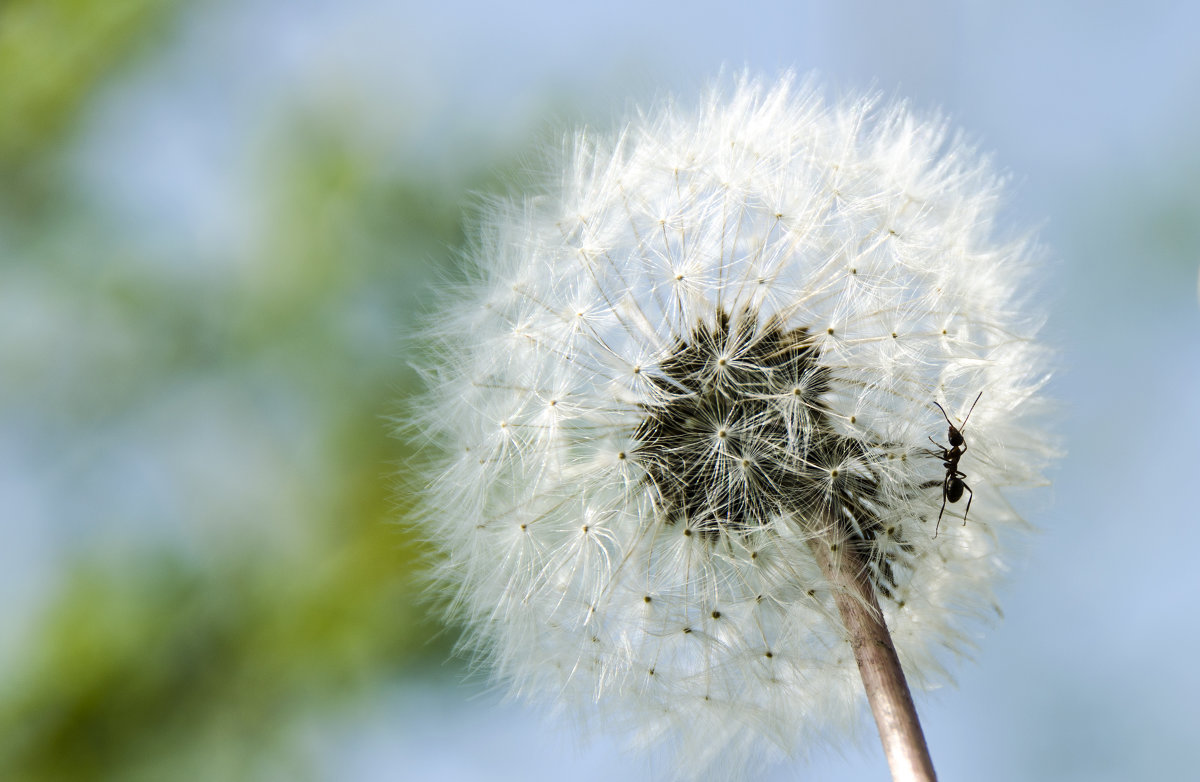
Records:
x=699, y=372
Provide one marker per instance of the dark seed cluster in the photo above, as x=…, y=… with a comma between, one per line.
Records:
x=742, y=437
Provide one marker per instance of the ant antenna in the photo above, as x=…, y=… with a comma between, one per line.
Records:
x=964, y=426
x=964, y=423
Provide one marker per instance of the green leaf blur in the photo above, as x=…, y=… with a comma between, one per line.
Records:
x=234, y=563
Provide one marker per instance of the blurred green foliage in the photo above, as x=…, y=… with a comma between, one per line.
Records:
x=296, y=592
x=54, y=54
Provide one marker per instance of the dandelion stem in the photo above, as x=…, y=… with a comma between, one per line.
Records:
x=883, y=678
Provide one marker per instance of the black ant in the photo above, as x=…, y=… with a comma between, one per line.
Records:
x=953, y=484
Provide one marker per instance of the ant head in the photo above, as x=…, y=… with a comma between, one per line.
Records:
x=954, y=434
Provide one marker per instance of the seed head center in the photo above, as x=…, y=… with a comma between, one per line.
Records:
x=771, y=454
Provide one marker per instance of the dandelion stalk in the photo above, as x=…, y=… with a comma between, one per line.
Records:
x=882, y=677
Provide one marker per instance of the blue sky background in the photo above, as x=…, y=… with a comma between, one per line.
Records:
x=1093, y=107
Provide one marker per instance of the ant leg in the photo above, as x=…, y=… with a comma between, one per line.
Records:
x=969, y=498
x=939, y=521
x=940, y=453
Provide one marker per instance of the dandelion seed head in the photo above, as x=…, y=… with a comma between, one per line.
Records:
x=715, y=340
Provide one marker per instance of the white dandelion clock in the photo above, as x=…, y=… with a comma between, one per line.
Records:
x=688, y=406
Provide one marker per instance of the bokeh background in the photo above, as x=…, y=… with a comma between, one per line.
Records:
x=219, y=221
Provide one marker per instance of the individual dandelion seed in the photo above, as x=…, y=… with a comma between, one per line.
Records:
x=686, y=404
